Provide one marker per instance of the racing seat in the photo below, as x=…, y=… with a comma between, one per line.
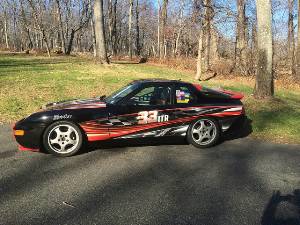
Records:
x=160, y=96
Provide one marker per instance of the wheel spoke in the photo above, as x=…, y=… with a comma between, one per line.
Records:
x=196, y=131
x=72, y=142
x=201, y=137
x=58, y=131
x=209, y=128
x=55, y=140
x=62, y=146
x=207, y=134
x=202, y=125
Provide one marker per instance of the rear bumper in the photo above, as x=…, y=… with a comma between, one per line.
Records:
x=229, y=122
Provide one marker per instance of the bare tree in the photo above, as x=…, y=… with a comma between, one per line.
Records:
x=264, y=76
x=99, y=32
x=291, y=38
x=197, y=18
x=39, y=20
x=158, y=28
x=130, y=28
x=241, y=40
x=94, y=37
x=137, y=28
x=112, y=25
x=179, y=29
x=199, y=58
x=297, y=67
x=61, y=27
x=164, y=16
x=207, y=27
x=4, y=18
x=84, y=16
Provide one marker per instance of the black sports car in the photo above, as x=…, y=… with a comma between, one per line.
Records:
x=143, y=108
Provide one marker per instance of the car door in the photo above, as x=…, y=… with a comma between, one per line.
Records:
x=143, y=113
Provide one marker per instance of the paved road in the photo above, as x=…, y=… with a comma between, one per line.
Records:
x=242, y=181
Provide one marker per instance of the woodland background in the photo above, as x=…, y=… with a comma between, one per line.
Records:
x=53, y=50
x=168, y=31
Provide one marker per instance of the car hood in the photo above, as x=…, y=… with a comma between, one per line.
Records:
x=75, y=104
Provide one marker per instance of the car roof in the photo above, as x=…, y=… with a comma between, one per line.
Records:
x=145, y=81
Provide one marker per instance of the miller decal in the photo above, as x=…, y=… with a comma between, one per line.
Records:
x=61, y=117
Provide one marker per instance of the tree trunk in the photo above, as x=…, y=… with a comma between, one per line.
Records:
x=214, y=44
x=94, y=37
x=264, y=87
x=115, y=40
x=130, y=29
x=46, y=42
x=158, y=28
x=137, y=28
x=208, y=18
x=6, y=33
x=112, y=25
x=297, y=67
x=70, y=44
x=291, y=38
x=179, y=31
x=163, y=28
x=61, y=28
x=199, y=59
x=99, y=31
x=241, y=40
x=30, y=45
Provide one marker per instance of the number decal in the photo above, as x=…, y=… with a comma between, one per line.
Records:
x=152, y=117
x=145, y=117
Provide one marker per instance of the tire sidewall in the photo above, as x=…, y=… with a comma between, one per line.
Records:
x=216, y=139
x=50, y=127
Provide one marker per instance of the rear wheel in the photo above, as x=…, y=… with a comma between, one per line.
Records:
x=62, y=138
x=204, y=133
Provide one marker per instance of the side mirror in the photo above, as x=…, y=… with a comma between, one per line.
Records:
x=102, y=97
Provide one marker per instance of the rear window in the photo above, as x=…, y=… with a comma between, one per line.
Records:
x=184, y=95
x=211, y=93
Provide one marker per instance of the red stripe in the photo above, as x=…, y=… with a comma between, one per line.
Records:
x=22, y=148
x=106, y=132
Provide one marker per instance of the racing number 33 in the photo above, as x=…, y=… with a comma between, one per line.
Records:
x=145, y=117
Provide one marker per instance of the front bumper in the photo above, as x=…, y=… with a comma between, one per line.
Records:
x=31, y=139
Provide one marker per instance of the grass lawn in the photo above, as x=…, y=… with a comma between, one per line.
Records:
x=27, y=82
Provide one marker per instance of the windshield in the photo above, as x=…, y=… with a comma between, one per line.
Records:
x=116, y=96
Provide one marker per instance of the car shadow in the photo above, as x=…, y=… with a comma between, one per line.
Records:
x=118, y=145
x=282, y=209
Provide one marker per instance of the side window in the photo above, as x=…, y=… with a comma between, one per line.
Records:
x=184, y=95
x=153, y=95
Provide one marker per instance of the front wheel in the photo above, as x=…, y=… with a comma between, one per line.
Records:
x=62, y=138
x=204, y=133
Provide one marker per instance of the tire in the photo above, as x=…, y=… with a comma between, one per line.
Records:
x=62, y=138
x=204, y=132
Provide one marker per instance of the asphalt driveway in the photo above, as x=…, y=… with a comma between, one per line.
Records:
x=243, y=181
